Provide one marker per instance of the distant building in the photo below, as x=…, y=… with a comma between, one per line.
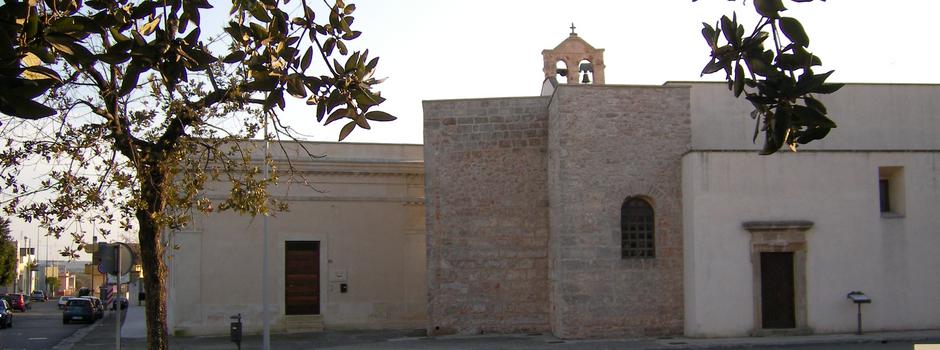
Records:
x=26, y=279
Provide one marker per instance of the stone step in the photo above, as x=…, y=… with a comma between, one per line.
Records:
x=303, y=323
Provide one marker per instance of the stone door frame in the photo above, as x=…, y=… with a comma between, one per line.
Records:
x=780, y=237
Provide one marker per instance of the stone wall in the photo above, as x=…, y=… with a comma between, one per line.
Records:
x=487, y=215
x=607, y=143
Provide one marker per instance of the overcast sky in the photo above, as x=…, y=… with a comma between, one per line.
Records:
x=433, y=49
x=442, y=49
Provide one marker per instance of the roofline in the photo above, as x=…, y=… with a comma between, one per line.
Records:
x=338, y=142
x=840, y=82
x=485, y=98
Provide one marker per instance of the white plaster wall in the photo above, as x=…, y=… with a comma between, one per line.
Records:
x=869, y=117
x=368, y=216
x=850, y=247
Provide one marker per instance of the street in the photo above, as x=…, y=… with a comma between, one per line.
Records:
x=39, y=328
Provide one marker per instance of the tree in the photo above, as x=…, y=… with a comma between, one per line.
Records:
x=52, y=284
x=780, y=82
x=132, y=109
x=7, y=253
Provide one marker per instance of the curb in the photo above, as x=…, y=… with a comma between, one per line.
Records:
x=79, y=335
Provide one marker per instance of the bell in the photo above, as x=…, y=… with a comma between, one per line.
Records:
x=585, y=79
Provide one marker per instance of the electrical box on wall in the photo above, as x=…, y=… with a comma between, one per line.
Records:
x=338, y=276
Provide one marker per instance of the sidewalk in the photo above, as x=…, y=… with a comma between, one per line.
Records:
x=101, y=336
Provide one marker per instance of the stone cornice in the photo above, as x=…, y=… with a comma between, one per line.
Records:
x=778, y=225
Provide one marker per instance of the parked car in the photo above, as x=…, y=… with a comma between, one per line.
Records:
x=119, y=301
x=96, y=304
x=6, y=314
x=19, y=302
x=79, y=309
x=62, y=301
x=38, y=295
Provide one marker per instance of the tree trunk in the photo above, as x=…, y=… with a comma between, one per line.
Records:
x=151, y=251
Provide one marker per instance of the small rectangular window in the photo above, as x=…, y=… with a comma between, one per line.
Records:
x=884, y=194
x=891, y=196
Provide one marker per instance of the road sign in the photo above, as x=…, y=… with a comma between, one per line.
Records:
x=111, y=262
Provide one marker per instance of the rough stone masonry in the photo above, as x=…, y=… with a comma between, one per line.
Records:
x=523, y=211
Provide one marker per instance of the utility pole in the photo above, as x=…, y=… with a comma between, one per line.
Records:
x=265, y=322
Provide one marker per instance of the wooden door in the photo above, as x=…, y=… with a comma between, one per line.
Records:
x=302, y=278
x=777, y=290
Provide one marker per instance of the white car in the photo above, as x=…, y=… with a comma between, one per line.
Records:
x=62, y=301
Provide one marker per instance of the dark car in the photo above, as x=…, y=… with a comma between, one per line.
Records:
x=79, y=309
x=119, y=301
x=96, y=305
x=6, y=314
x=38, y=295
x=19, y=302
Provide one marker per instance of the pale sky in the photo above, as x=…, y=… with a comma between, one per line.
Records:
x=438, y=49
x=441, y=49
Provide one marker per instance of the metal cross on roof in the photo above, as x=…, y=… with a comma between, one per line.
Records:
x=572, y=28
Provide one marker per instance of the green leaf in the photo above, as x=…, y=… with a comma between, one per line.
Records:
x=347, y=129
x=305, y=60
x=321, y=110
x=812, y=134
x=713, y=66
x=45, y=73
x=379, y=116
x=234, y=57
x=769, y=8
x=815, y=104
x=336, y=115
x=812, y=117
x=116, y=34
x=131, y=74
x=257, y=11
x=828, y=88
x=811, y=82
x=328, y=45
x=789, y=62
x=29, y=109
x=349, y=9
x=295, y=86
x=352, y=62
x=758, y=66
x=362, y=122
x=738, y=79
x=794, y=31
x=708, y=32
x=351, y=35
x=728, y=29
x=151, y=26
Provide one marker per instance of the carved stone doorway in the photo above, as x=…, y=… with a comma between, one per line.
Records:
x=778, y=254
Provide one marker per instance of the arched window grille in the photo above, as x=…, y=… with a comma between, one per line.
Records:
x=637, y=229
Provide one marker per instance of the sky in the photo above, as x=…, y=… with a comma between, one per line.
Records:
x=445, y=49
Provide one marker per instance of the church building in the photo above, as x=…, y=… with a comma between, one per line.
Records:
x=591, y=210
x=598, y=210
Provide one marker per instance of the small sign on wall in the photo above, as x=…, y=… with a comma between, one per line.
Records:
x=338, y=276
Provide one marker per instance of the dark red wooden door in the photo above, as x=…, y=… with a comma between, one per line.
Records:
x=777, y=290
x=302, y=278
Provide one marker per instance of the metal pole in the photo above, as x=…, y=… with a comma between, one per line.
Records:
x=117, y=286
x=859, y=319
x=265, y=322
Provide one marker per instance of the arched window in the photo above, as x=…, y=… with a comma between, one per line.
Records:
x=561, y=72
x=586, y=72
x=637, y=229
